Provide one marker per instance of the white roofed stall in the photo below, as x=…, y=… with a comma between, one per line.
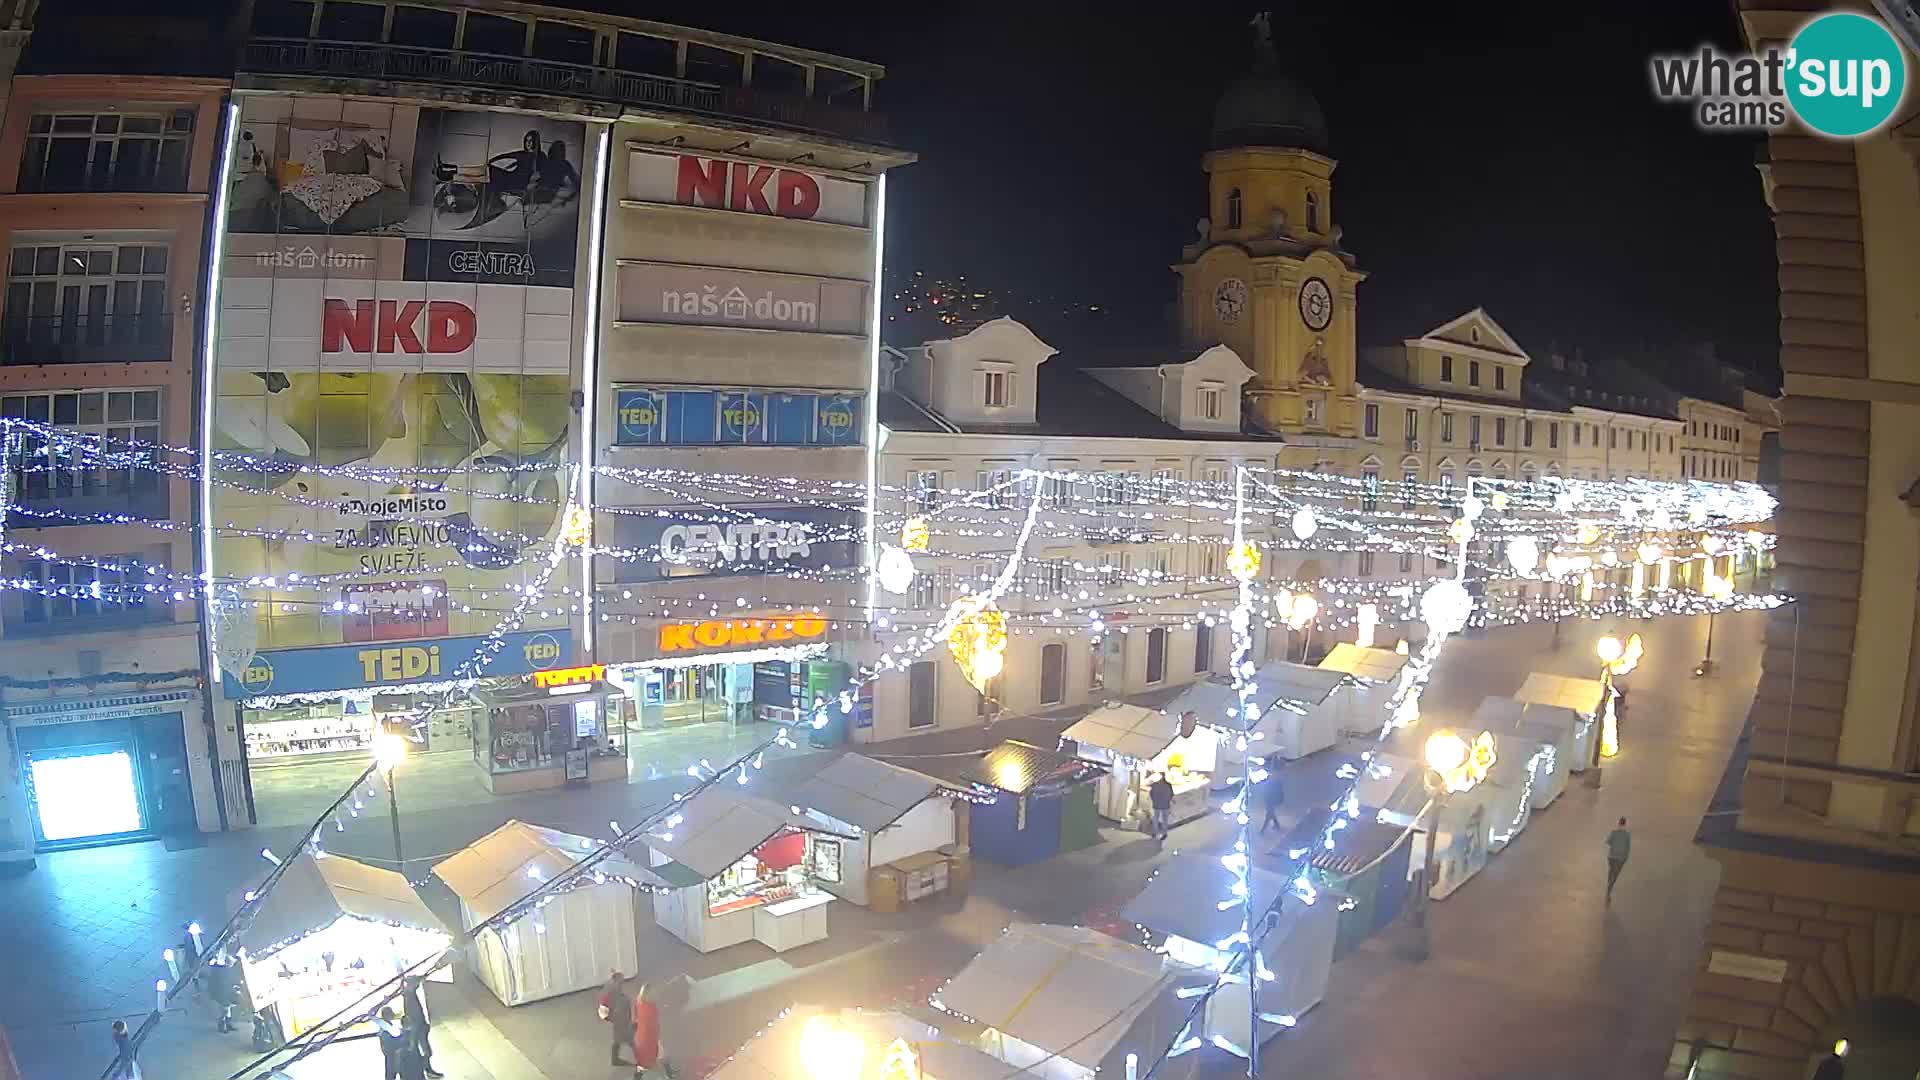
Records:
x=889, y=812
x=1375, y=676
x=1139, y=743
x=1542, y=734
x=1584, y=696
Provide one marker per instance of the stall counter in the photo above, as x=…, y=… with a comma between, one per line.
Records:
x=792, y=923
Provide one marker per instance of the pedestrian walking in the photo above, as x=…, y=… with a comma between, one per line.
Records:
x=124, y=1067
x=393, y=1041
x=1834, y=1065
x=646, y=1033
x=1274, y=796
x=1160, y=796
x=413, y=1012
x=1619, y=846
x=616, y=1008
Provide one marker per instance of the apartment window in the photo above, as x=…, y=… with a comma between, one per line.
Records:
x=1446, y=428
x=1594, y=430
x=1473, y=431
x=1209, y=401
x=1473, y=373
x=1156, y=655
x=1111, y=488
x=88, y=303
x=997, y=486
x=1446, y=369
x=107, y=151
x=1202, y=648
x=1234, y=211
x=1316, y=410
x=1371, y=420
x=1553, y=436
x=1499, y=431
x=1408, y=480
x=90, y=468
x=1613, y=438
x=1446, y=480
x=922, y=681
x=928, y=591
x=1207, y=565
x=1053, y=673
x=1366, y=564
x=1054, y=492
x=996, y=389
x=1096, y=662
x=1166, y=483
x=1052, y=576
x=75, y=596
x=923, y=486
x=1370, y=484
x=1413, y=424
x=1162, y=561
x=1406, y=562
x=1313, y=212
x=1499, y=377
x=1526, y=433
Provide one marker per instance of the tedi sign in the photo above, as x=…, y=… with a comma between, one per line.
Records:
x=760, y=541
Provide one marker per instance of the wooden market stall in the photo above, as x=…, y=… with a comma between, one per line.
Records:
x=1370, y=866
x=1585, y=697
x=1545, y=735
x=1374, y=676
x=329, y=932
x=908, y=840
x=855, y=1044
x=1298, y=715
x=1041, y=803
x=571, y=942
x=1137, y=744
x=1181, y=902
x=1067, y=1002
x=1391, y=788
x=739, y=868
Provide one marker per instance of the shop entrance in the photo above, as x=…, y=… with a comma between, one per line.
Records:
x=712, y=693
x=106, y=781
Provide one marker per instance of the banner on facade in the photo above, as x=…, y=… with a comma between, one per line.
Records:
x=714, y=296
x=353, y=667
x=747, y=187
x=758, y=540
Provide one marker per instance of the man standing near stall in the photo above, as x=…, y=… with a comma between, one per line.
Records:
x=1160, y=796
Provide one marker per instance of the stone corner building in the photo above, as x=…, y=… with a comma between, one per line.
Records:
x=1815, y=930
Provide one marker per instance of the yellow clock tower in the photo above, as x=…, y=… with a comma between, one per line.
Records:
x=1266, y=276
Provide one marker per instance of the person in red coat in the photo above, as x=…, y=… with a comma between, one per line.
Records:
x=646, y=1032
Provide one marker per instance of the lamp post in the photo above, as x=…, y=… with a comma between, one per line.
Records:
x=389, y=750
x=1445, y=753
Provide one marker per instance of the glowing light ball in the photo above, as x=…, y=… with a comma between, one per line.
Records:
x=1304, y=524
x=1243, y=562
x=1523, y=554
x=1649, y=554
x=914, y=534
x=894, y=569
x=1712, y=544
x=1609, y=649
x=1609, y=557
x=1302, y=611
x=1445, y=607
x=1472, y=507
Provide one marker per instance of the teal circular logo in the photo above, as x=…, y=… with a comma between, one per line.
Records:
x=1845, y=74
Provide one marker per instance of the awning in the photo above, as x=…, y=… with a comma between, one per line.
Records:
x=1581, y=695
x=1067, y=990
x=1018, y=768
x=317, y=890
x=718, y=828
x=1375, y=665
x=775, y=1053
x=499, y=869
x=1208, y=699
x=1131, y=730
x=1542, y=723
x=864, y=792
x=1179, y=899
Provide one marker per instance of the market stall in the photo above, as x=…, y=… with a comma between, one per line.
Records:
x=1137, y=744
x=811, y=1043
x=1374, y=676
x=739, y=868
x=567, y=945
x=1506, y=794
x=1182, y=901
x=1065, y=1002
x=1370, y=867
x=1390, y=788
x=1462, y=824
x=1583, y=696
x=907, y=831
x=1544, y=735
x=1042, y=803
x=551, y=729
x=1298, y=715
x=329, y=932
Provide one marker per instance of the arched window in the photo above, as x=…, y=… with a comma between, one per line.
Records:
x=1233, y=209
x=1313, y=212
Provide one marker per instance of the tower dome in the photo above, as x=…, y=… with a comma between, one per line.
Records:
x=1266, y=108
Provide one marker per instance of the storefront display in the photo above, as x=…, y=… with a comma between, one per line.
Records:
x=906, y=832
x=104, y=768
x=331, y=931
x=740, y=868
x=1139, y=744
x=543, y=732
x=347, y=726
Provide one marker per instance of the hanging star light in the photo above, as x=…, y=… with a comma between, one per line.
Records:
x=1243, y=562
x=894, y=569
x=977, y=639
x=1523, y=554
x=576, y=529
x=1303, y=523
x=914, y=534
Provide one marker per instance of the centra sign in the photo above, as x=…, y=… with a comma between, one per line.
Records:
x=739, y=633
x=756, y=542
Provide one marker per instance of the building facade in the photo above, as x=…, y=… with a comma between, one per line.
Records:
x=104, y=197
x=1812, y=932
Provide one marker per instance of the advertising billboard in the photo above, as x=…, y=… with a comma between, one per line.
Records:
x=394, y=356
x=713, y=296
x=747, y=187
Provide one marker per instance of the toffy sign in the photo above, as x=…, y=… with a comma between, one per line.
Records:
x=679, y=637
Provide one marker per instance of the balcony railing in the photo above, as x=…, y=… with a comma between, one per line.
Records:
x=373, y=60
x=87, y=339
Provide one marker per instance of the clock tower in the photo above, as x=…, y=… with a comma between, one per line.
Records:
x=1266, y=275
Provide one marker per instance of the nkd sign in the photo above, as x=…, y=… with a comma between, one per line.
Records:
x=745, y=187
x=710, y=296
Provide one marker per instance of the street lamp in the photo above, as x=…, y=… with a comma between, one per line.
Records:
x=389, y=750
x=1453, y=764
x=1616, y=658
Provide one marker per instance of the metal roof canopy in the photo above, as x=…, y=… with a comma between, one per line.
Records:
x=1528, y=720
x=1018, y=768
x=1392, y=791
x=1067, y=990
x=1132, y=730
x=1174, y=900
x=316, y=891
x=1209, y=699
x=496, y=871
x=1581, y=695
x=775, y=1053
x=865, y=792
x=1376, y=665
x=719, y=827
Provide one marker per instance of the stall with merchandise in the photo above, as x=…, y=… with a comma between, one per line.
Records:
x=808, y=1042
x=907, y=831
x=1039, y=803
x=572, y=940
x=1543, y=735
x=739, y=868
x=551, y=729
x=1584, y=697
x=328, y=933
x=1182, y=904
x=1373, y=677
x=1138, y=744
x=1067, y=1002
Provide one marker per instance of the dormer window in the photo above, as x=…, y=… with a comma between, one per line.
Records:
x=1313, y=212
x=1473, y=333
x=1234, y=214
x=996, y=388
x=1207, y=401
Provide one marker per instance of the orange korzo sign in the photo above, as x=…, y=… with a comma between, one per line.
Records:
x=733, y=633
x=570, y=675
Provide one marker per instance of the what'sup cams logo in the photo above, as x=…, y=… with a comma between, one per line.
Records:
x=1843, y=76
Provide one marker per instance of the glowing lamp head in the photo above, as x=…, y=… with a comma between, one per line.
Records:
x=829, y=1051
x=1840, y=1047
x=1609, y=649
x=1445, y=752
x=1523, y=554
x=1609, y=557
x=1304, y=524
x=1445, y=607
x=1302, y=610
x=389, y=750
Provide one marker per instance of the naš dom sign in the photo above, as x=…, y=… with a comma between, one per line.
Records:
x=740, y=633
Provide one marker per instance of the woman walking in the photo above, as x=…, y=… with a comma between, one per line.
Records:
x=616, y=1008
x=646, y=1033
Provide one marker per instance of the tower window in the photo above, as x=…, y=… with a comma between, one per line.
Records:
x=1313, y=212
x=1233, y=209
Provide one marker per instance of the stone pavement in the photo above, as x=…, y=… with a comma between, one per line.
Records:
x=1530, y=975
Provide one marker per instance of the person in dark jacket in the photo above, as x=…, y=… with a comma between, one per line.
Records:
x=1834, y=1065
x=393, y=1041
x=1160, y=796
x=413, y=1009
x=616, y=1008
x=1274, y=796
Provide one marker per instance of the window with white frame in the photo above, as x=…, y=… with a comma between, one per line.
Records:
x=1166, y=482
x=1372, y=421
x=1413, y=424
x=1473, y=431
x=89, y=295
x=112, y=151
x=1207, y=401
x=1499, y=431
x=103, y=590
x=1162, y=560
x=996, y=388
x=1526, y=433
x=1446, y=480
x=1406, y=562
x=1316, y=410
x=1206, y=563
x=1214, y=473
x=1409, y=480
x=1056, y=492
x=1111, y=488
x=1446, y=427
x=105, y=465
x=998, y=487
x=1370, y=487
x=1366, y=564
x=923, y=486
x=1050, y=576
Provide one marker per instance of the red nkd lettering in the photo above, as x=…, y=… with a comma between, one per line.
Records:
x=738, y=185
x=750, y=188
x=390, y=326
x=701, y=182
x=797, y=195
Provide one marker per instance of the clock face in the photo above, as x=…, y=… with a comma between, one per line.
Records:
x=1316, y=304
x=1230, y=299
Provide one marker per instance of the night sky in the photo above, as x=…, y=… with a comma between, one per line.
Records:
x=1504, y=154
